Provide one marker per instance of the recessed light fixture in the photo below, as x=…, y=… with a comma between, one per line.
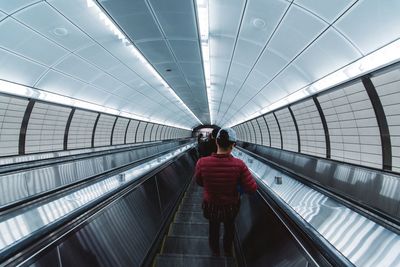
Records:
x=60, y=31
x=259, y=23
x=168, y=70
x=202, y=17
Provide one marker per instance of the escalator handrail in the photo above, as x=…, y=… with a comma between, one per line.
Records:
x=19, y=166
x=9, y=207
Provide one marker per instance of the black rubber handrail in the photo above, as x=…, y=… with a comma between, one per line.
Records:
x=26, y=250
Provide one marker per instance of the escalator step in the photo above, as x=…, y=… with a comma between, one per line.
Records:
x=189, y=229
x=196, y=200
x=186, y=245
x=190, y=207
x=193, y=260
x=190, y=217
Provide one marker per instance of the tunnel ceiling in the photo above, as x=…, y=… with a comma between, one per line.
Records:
x=260, y=51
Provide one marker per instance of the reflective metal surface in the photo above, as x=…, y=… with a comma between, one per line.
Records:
x=21, y=185
x=362, y=241
x=371, y=188
x=39, y=156
x=20, y=224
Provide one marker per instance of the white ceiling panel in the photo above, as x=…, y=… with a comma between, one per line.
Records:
x=17, y=69
x=44, y=19
x=270, y=63
x=327, y=10
x=18, y=38
x=78, y=68
x=330, y=52
x=371, y=24
x=106, y=82
x=297, y=30
x=99, y=57
x=292, y=79
x=11, y=6
x=172, y=26
x=225, y=25
x=260, y=20
x=156, y=51
x=2, y=15
x=87, y=19
x=256, y=81
x=59, y=83
x=186, y=51
x=91, y=94
x=123, y=73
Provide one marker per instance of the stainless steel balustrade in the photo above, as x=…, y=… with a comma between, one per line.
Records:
x=19, y=186
x=362, y=241
x=19, y=225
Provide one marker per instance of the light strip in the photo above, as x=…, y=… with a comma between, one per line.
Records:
x=380, y=58
x=29, y=92
x=202, y=16
x=121, y=36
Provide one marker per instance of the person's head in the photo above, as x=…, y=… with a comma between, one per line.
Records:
x=214, y=133
x=199, y=137
x=226, y=139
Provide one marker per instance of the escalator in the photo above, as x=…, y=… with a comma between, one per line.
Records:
x=186, y=243
x=154, y=218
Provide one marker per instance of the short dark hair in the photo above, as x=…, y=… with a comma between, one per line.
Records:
x=223, y=139
x=215, y=132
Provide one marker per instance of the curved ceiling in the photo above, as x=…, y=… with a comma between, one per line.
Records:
x=261, y=51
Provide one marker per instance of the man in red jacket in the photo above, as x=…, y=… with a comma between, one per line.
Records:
x=221, y=175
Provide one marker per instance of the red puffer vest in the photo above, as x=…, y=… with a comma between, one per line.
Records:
x=220, y=175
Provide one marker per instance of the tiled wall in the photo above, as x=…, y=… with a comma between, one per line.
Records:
x=47, y=128
x=345, y=116
x=388, y=88
x=131, y=133
x=102, y=136
x=273, y=130
x=12, y=112
x=119, y=131
x=81, y=129
x=288, y=130
x=311, y=130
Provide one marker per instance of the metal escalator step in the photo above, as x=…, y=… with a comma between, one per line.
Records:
x=190, y=207
x=189, y=229
x=196, y=200
x=171, y=260
x=190, y=217
x=186, y=245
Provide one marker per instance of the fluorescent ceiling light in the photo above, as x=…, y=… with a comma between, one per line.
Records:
x=380, y=58
x=29, y=92
x=121, y=36
x=202, y=17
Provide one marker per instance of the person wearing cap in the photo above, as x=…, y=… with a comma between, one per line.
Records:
x=211, y=142
x=220, y=174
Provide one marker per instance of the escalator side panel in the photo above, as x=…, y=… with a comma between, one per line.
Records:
x=49, y=260
x=262, y=237
x=123, y=233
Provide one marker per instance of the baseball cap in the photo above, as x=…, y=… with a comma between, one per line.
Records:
x=231, y=134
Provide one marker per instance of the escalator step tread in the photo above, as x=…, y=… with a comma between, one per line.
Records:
x=190, y=216
x=173, y=260
x=186, y=245
x=190, y=207
x=189, y=229
x=191, y=201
